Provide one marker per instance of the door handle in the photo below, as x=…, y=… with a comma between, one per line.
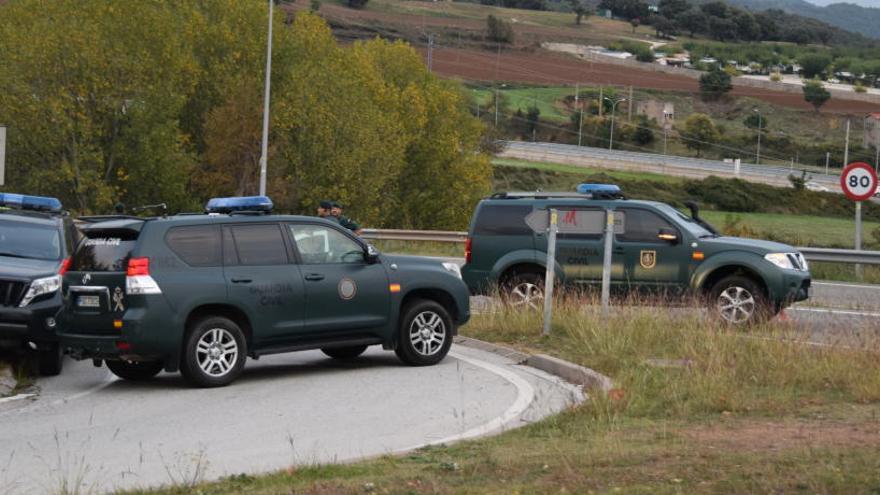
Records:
x=241, y=281
x=314, y=277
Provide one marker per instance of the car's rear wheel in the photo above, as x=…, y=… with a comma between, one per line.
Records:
x=425, y=333
x=135, y=371
x=739, y=300
x=524, y=290
x=50, y=357
x=345, y=352
x=214, y=352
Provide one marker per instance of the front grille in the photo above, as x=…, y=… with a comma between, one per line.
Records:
x=11, y=292
x=798, y=261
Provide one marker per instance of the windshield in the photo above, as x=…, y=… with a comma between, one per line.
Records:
x=687, y=222
x=22, y=240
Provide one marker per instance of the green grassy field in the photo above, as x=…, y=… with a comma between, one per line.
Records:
x=738, y=415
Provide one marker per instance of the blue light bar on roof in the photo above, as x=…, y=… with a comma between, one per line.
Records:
x=24, y=202
x=248, y=203
x=608, y=189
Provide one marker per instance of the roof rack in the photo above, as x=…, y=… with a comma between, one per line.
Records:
x=107, y=218
x=560, y=195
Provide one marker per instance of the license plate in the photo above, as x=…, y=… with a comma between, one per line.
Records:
x=88, y=301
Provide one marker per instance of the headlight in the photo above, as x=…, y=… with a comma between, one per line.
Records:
x=40, y=287
x=454, y=268
x=782, y=260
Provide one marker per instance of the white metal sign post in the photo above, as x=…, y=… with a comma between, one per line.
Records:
x=554, y=222
x=859, y=183
x=550, y=276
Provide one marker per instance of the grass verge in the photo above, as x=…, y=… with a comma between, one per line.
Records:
x=744, y=413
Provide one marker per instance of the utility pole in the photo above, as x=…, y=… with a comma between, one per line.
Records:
x=827, y=160
x=613, y=108
x=665, y=131
x=577, y=91
x=265, y=145
x=629, y=114
x=496, y=107
x=430, y=52
x=601, y=101
x=758, y=152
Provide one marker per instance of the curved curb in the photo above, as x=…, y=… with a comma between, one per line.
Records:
x=570, y=372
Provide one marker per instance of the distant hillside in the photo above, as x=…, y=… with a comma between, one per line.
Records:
x=847, y=16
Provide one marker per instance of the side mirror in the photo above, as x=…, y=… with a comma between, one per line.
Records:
x=371, y=254
x=668, y=235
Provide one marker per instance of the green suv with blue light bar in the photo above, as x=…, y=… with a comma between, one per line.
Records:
x=36, y=239
x=200, y=293
x=657, y=249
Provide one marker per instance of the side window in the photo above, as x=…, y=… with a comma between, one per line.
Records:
x=198, y=245
x=642, y=226
x=502, y=220
x=259, y=244
x=319, y=244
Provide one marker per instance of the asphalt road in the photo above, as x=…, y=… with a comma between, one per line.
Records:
x=89, y=432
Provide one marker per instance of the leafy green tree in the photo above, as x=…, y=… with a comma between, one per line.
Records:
x=533, y=118
x=756, y=121
x=814, y=65
x=715, y=84
x=693, y=21
x=816, y=94
x=643, y=134
x=635, y=22
x=671, y=9
x=580, y=9
x=499, y=30
x=700, y=133
x=664, y=27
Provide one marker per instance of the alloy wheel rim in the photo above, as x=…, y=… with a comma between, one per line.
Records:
x=527, y=294
x=736, y=305
x=427, y=333
x=217, y=352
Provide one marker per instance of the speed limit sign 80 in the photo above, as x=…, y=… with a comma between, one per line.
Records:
x=858, y=181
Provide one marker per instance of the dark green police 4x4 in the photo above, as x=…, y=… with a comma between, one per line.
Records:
x=656, y=249
x=200, y=293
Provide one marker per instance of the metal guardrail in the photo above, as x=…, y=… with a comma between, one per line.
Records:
x=812, y=254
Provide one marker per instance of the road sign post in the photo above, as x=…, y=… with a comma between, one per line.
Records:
x=859, y=183
x=2, y=155
x=606, y=261
x=550, y=276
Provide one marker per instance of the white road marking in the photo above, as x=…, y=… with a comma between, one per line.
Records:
x=835, y=311
x=16, y=397
x=851, y=286
x=525, y=396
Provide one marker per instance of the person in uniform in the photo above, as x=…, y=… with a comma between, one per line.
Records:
x=324, y=210
x=336, y=211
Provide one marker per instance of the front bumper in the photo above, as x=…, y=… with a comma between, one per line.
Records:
x=36, y=322
x=794, y=288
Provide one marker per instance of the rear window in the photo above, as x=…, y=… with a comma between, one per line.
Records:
x=103, y=254
x=259, y=244
x=502, y=220
x=22, y=240
x=197, y=245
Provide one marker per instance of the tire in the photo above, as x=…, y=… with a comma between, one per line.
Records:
x=739, y=301
x=49, y=359
x=135, y=371
x=345, y=352
x=214, y=352
x=524, y=290
x=425, y=333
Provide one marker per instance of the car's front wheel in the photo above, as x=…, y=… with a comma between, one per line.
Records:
x=345, y=352
x=739, y=300
x=214, y=352
x=50, y=359
x=425, y=333
x=135, y=371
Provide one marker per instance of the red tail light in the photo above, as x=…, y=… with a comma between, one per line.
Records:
x=467, y=251
x=138, y=266
x=65, y=265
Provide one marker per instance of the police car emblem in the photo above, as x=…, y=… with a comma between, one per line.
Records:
x=347, y=289
x=86, y=279
x=117, y=299
x=648, y=259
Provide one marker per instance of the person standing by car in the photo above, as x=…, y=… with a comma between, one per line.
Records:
x=336, y=212
x=324, y=209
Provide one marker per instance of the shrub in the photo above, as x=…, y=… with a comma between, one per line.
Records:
x=715, y=84
x=776, y=77
x=858, y=87
x=499, y=30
